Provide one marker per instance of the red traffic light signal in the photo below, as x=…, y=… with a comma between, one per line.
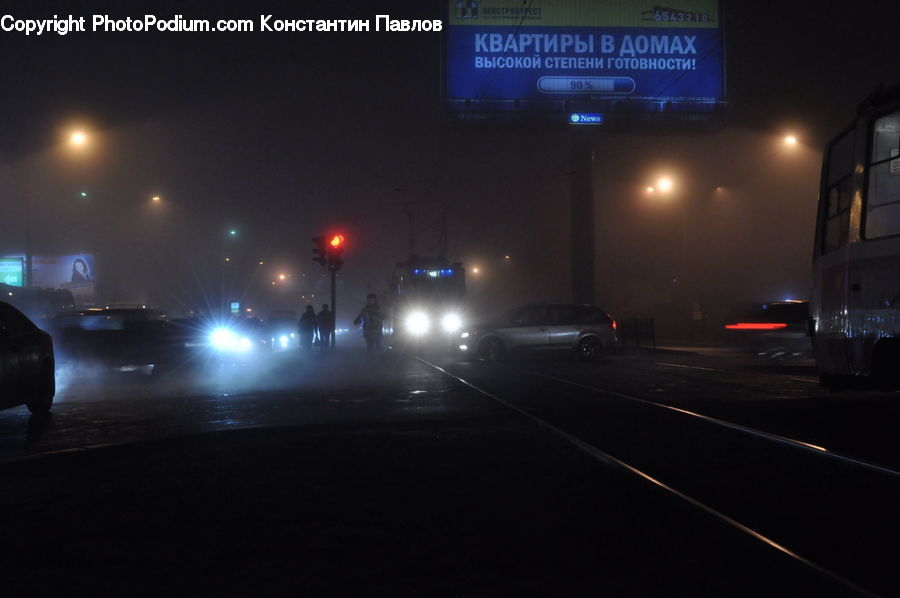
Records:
x=336, y=241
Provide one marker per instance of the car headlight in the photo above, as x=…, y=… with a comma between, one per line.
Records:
x=225, y=339
x=283, y=340
x=418, y=323
x=222, y=339
x=451, y=322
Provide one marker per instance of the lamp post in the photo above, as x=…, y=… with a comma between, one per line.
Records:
x=77, y=139
x=231, y=234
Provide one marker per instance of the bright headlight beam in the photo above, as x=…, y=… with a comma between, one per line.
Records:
x=418, y=323
x=225, y=339
x=222, y=339
x=451, y=322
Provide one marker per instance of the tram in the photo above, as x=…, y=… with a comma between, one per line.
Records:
x=855, y=305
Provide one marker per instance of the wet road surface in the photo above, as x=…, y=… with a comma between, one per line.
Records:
x=432, y=476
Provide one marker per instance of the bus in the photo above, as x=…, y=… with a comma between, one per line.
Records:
x=855, y=305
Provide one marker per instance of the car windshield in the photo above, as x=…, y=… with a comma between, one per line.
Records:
x=450, y=298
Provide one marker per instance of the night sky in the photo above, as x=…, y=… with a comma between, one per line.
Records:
x=288, y=135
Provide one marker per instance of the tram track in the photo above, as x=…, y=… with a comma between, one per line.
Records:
x=786, y=487
x=751, y=431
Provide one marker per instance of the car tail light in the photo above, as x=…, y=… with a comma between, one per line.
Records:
x=613, y=324
x=756, y=326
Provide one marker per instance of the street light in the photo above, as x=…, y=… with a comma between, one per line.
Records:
x=665, y=184
x=155, y=199
x=790, y=140
x=78, y=138
x=231, y=234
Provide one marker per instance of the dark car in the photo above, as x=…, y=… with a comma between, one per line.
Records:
x=128, y=340
x=776, y=330
x=585, y=331
x=283, y=330
x=27, y=370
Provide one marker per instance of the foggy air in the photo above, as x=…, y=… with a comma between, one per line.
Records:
x=457, y=297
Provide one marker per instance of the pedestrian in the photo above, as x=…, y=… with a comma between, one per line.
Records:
x=325, y=324
x=307, y=328
x=372, y=319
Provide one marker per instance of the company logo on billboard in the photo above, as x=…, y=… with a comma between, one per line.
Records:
x=667, y=14
x=470, y=9
x=466, y=9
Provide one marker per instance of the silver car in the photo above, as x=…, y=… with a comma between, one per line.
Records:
x=585, y=331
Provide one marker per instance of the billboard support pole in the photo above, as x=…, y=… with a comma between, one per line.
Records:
x=581, y=217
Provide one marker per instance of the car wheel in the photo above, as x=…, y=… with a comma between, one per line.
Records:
x=42, y=392
x=589, y=348
x=491, y=349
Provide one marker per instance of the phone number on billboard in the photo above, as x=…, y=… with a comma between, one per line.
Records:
x=662, y=14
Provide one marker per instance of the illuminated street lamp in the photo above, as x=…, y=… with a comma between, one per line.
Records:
x=78, y=138
x=281, y=277
x=790, y=140
x=665, y=184
x=156, y=199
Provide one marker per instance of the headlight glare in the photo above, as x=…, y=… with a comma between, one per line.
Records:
x=225, y=339
x=222, y=339
x=451, y=322
x=418, y=323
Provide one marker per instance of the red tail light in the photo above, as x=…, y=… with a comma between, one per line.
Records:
x=612, y=324
x=756, y=326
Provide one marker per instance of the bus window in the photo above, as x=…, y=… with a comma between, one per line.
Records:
x=838, y=194
x=883, y=201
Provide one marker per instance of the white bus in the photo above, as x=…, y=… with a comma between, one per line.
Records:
x=855, y=307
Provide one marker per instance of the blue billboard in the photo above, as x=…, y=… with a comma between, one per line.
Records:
x=565, y=58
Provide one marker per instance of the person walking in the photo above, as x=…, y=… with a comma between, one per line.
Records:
x=325, y=324
x=372, y=319
x=307, y=328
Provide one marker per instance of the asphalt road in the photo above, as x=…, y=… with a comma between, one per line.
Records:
x=653, y=473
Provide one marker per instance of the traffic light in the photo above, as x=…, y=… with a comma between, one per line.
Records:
x=320, y=250
x=335, y=250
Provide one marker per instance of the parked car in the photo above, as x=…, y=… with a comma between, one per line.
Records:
x=585, y=331
x=27, y=369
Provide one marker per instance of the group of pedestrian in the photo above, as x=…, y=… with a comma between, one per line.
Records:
x=316, y=329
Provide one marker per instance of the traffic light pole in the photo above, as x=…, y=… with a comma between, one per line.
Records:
x=333, y=333
x=328, y=253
